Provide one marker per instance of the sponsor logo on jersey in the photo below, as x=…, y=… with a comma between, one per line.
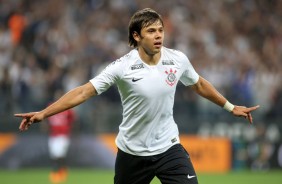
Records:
x=167, y=62
x=171, y=77
x=137, y=66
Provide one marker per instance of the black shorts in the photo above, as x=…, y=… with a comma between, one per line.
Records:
x=171, y=167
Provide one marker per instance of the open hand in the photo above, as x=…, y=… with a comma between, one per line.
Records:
x=242, y=111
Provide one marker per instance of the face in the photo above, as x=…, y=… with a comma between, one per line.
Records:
x=151, y=38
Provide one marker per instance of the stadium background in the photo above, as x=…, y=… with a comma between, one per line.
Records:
x=53, y=45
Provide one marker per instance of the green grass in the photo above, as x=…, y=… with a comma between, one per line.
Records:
x=89, y=176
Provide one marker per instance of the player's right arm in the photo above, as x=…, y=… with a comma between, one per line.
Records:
x=69, y=100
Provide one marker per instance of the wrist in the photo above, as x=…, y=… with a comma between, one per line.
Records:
x=42, y=114
x=228, y=106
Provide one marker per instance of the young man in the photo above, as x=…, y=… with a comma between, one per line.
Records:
x=148, y=142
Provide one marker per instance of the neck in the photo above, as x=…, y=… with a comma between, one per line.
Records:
x=148, y=58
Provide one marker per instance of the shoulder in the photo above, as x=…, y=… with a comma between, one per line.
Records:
x=121, y=65
x=173, y=52
x=125, y=60
x=175, y=55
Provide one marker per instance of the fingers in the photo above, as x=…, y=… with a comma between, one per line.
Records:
x=19, y=115
x=24, y=115
x=27, y=120
x=249, y=109
x=242, y=111
x=250, y=118
x=24, y=125
x=21, y=127
x=249, y=115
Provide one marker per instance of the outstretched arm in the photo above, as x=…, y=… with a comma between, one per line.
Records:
x=67, y=101
x=208, y=91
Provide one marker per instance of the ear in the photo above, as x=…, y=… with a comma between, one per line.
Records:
x=136, y=36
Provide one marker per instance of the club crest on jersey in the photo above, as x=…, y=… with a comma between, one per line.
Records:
x=171, y=77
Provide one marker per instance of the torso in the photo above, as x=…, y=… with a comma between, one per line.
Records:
x=147, y=95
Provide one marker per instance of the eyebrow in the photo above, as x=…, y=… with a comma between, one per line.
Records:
x=154, y=27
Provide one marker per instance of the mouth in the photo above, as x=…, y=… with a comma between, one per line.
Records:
x=158, y=44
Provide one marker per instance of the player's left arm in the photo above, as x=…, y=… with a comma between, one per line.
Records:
x=208, y=91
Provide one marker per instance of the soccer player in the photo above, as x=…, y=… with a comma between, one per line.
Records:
x=60, y=127
x=148, y=139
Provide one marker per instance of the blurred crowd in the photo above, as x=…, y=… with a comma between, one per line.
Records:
x=52, y=45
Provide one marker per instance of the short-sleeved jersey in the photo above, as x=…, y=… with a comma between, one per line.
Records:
x=147, y=95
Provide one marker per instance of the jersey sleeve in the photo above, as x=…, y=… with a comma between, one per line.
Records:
x=189, y=75
x=108, y=76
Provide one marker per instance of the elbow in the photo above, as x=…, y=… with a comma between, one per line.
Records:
x=199, y=86
x=87, y=91
x=202, y=87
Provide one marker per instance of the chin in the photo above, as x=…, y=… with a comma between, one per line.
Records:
x=157, y=50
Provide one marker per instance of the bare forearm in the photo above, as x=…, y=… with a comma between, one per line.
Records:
x=69, y=100
x=208, y=91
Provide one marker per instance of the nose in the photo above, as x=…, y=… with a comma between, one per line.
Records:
x=159, y=34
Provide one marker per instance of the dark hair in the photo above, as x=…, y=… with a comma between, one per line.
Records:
x=139, y=20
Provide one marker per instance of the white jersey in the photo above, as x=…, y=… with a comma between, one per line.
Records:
x=147, y=95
